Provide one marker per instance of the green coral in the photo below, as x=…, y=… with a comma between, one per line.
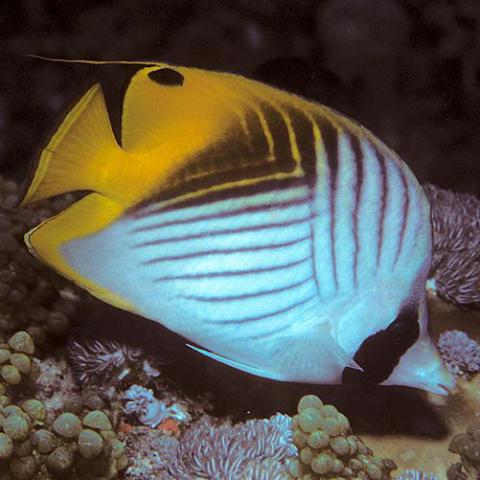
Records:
x=327, y=449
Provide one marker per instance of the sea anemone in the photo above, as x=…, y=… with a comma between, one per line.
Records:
x=232, y=451
x=459, y=352
x=96, y=360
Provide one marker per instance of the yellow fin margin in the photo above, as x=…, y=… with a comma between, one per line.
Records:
x=85, y=217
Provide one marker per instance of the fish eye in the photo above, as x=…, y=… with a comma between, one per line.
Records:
x=166, y=76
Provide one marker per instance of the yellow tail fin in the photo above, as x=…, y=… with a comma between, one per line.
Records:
x=80, y=153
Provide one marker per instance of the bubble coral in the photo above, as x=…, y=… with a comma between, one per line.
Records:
x=467, y=445
x=15, y=359
x=72, y=446
x=459, y=352
x=456, y=245
x=327, y=449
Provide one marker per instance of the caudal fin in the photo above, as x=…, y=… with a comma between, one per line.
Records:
x=79, y=154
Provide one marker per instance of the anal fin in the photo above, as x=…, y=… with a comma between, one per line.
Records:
x=88, y=216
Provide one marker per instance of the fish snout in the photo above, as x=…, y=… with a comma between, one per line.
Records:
x=421, y=367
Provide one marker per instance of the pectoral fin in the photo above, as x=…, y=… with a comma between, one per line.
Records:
x=314, y=358
x=232, y=363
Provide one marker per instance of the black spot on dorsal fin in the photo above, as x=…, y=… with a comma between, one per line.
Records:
x=166, y=76
x=379, y=354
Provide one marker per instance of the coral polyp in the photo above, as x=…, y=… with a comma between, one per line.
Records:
x=460, y=353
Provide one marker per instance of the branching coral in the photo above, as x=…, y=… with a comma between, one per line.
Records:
x=233, y=452
x=328, y=449
x=460, y=353
x=456, y=246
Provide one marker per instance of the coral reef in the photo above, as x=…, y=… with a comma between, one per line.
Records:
x=235, y=451
x=327, y=449
x=456, y=243
x=467, y=445
x=460, y=353
x=148, y=410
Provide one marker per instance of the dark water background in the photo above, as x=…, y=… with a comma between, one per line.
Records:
x=409, y=70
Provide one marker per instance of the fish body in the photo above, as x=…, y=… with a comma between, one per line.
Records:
x=278, y=236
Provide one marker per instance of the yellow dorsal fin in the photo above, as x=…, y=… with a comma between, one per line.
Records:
x=80, y=155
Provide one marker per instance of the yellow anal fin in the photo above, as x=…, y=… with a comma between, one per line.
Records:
x=85, y=217
x=81, y=153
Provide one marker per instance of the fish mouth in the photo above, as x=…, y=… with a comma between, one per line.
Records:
x=442, y=389
x=445, y=389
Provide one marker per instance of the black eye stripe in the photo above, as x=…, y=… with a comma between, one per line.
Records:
x=166, y=76
x=379, y=354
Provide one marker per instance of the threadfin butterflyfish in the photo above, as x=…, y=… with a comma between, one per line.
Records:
x=276, y=235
